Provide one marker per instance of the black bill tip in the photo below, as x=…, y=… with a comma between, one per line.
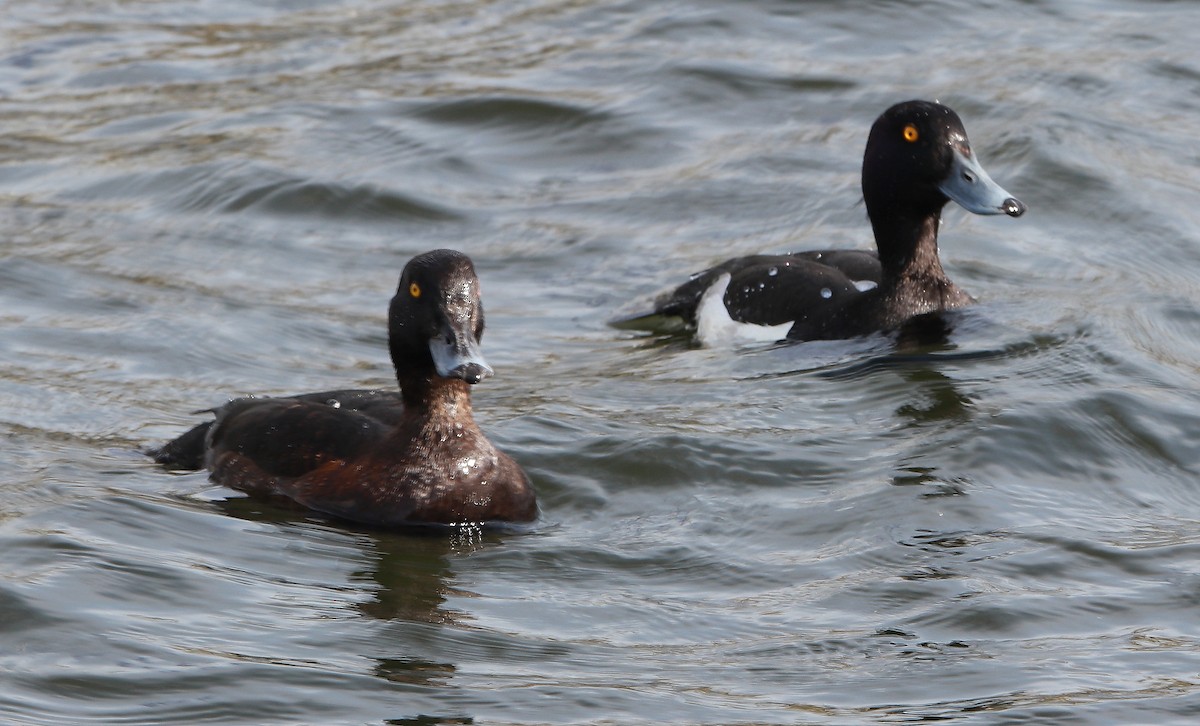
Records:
x=1013, y=207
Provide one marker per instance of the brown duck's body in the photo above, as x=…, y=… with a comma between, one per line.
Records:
x=381, y=458
x=433, y=466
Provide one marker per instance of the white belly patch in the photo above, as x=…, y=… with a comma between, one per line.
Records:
x=714, y=327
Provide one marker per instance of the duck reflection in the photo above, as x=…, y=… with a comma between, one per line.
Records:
x=414, y=671
x=410, y=575
x=931, y=330
x=935, y=402
x=936, y=398
x=413, y=574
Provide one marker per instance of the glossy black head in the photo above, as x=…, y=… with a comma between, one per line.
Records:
x=918, y=157
x=435, y=321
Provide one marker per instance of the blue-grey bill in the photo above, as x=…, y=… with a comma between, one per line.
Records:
x=970, y=186
x=459, y=357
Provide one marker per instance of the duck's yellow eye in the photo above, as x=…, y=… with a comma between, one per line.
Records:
x=414, y=290
x=910, y=133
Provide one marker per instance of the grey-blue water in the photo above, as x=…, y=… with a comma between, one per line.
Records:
x=200, y=200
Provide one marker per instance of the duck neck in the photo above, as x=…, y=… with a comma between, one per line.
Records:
x=436, y=400
x=908, y=248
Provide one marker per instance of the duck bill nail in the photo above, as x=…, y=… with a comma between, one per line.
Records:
x=458, y=356
x=971, y=187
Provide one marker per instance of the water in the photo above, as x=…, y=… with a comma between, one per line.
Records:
x=202, y=200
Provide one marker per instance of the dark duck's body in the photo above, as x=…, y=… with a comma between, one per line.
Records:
x=380, y=457
x=917, y=159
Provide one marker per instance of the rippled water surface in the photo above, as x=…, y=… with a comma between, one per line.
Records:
x=208, y=199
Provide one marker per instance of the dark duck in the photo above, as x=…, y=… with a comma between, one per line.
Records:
x=917, y=159
x=381, y=458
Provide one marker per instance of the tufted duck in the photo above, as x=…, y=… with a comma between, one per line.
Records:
x=917, y=159
x=380, y=457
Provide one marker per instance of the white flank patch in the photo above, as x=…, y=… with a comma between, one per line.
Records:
x=715, y=327
x=864, y=285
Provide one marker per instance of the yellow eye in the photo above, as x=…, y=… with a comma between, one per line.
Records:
x=910, y=133
x=414, y=290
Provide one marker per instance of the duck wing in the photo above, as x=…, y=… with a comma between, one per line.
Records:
x=287, y=437
x=773, y=295
x=187, y=451
x=803, y=272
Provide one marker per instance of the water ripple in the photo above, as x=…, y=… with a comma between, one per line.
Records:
x=207, y=200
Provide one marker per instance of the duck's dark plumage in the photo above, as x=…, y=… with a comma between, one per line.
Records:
x=382, y=458
x=789, y=274
x=917, y=158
